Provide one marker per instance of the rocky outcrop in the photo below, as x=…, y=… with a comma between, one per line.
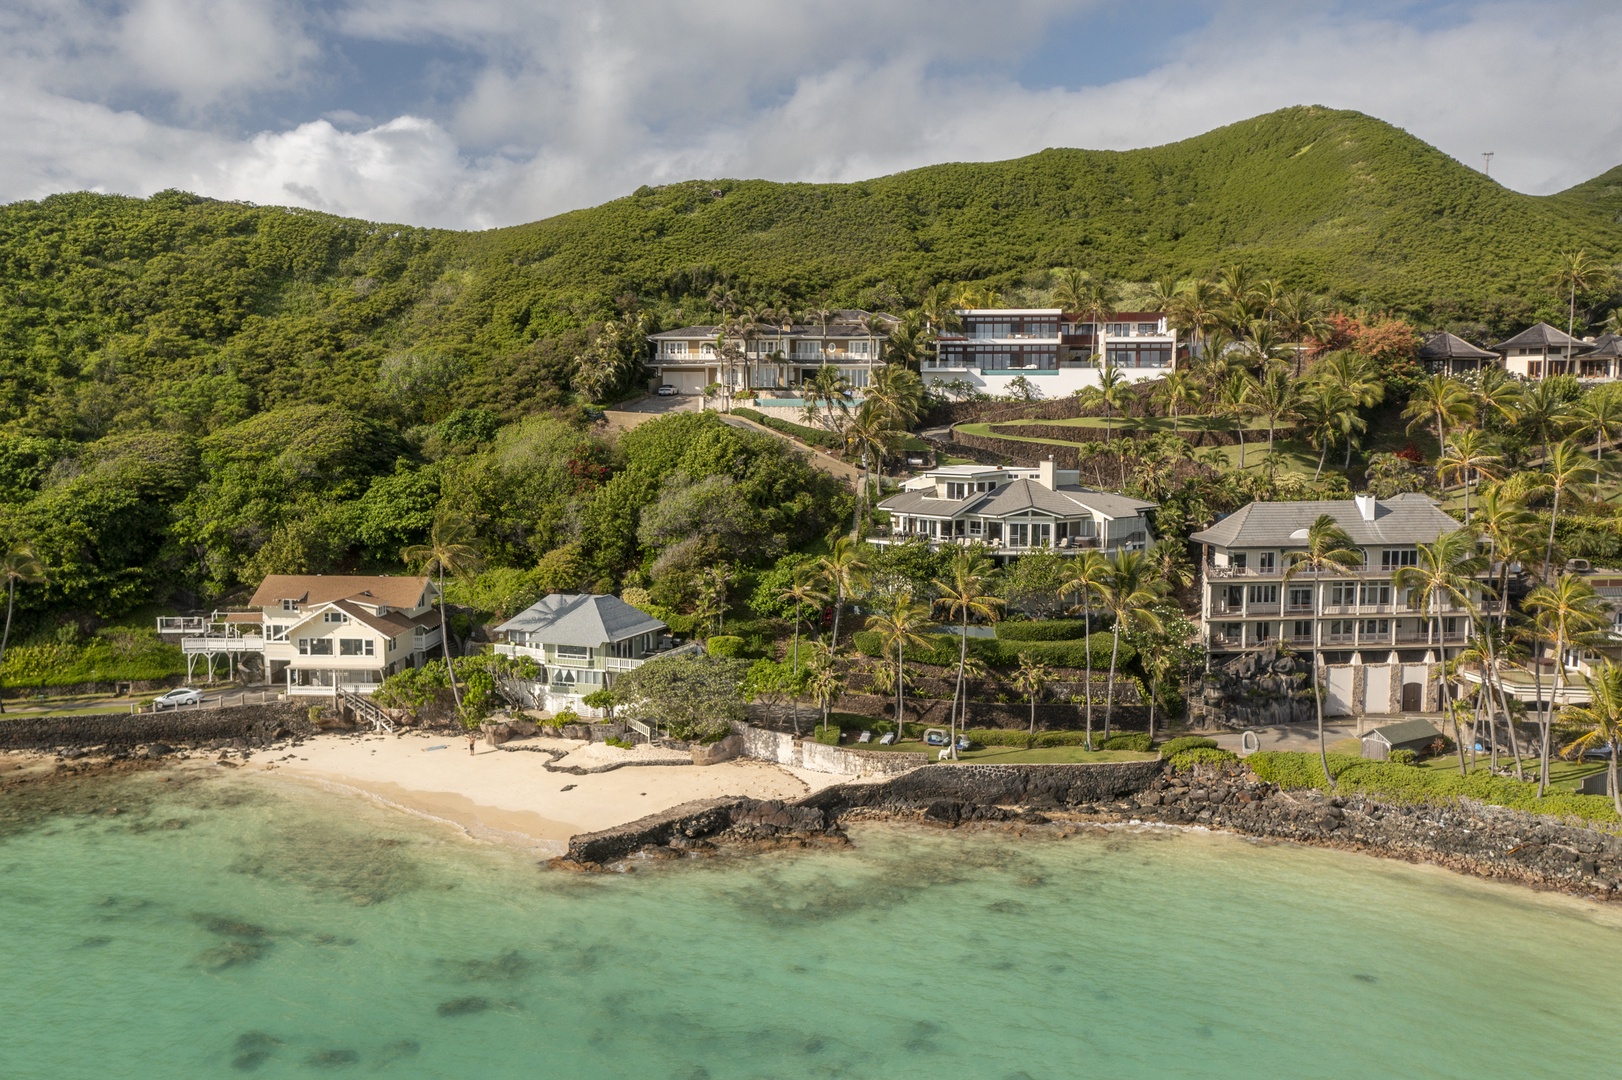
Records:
x=247, y=725
x=1261, y=688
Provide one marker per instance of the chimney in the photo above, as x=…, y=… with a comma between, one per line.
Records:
x=1045, y=474
x=1365, y=506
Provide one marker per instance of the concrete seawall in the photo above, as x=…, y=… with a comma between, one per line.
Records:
x=255, y=724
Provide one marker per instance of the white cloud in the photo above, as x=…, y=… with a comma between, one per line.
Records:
x=573, y=104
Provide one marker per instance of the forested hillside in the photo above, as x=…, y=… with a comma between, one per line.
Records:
x=194, y=393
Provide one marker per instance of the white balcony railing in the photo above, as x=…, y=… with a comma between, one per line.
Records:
x=223, y=643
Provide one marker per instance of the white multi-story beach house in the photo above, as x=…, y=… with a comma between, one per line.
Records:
x=318, y=634
x=1053, y=349
x=1379, y=650
x=581, y=641
x=1016, y=510
x=772, y=358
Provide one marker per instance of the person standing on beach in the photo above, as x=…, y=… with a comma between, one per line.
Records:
x=472, y=741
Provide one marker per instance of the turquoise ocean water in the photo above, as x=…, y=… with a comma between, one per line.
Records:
x=228, y=927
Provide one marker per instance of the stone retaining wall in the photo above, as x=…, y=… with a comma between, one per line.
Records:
x=257, y=724
x=782, y=749
x=1050, y=716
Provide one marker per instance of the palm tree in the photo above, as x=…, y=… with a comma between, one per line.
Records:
x=1235, y=400
x=844, y=571
x=1353, y=373
x=1444, y=574
x=870, y=434
x=801, y=591
x=1277, y=397
x=1575, y=271
x=1565, y=612
x=965, y=592
x=1599, y=413
x=1467, y=457
x=1176, y=392
x=1544, y=412
x=1085, y=577
x=1031, y=679
x=899, y=626
x=1099, y=299
x=1497, y=393
x=1321, y=409
x=824, y=681
x=1566, y=466
x=1113, y=393
x=1303, y=317
x=898, y=392
x=1603, y=718
x=19, y=565
x=450, y=550
x=1442, y=400
x=1506, y=526
x=1329, y=549
x=1131, y=589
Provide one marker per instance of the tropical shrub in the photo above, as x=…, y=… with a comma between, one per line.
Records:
x=1186, y=742
x=1200, y=755
x=827, y=734
x=727, y=646
x=623, y=744
x=1042, y=630
x=1404, y=757
x=1137, y=740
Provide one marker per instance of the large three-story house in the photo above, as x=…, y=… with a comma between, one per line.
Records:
x=772, y=358
x=1053, y=349
x=1378, y=647
x=1016, y=510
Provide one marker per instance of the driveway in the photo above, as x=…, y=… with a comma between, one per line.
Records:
x=640, y=411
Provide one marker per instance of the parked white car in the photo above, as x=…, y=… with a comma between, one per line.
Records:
x=183, y=695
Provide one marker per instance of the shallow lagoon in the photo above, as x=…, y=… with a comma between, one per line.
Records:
x=235, y=927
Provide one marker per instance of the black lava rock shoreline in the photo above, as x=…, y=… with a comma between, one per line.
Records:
x=1467, y=837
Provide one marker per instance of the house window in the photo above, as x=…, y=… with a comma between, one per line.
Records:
x=574, y=652
x=675, y=348
x=1342, y=593
x=335, y=617
x=1264, y=594
x=1019, y=534
x=1375, y=592
x=1238, y=560
x=314, y=646
x=1300, y=598
x=350, y=646
x=289, y=605
x=1302, y=631
x=1391, y=558
x=1377, y=627
x=1146, y=328
x=1342, y=627
x=958, y=490
x=1267, y=561
x=277, y=631
x=976, y=526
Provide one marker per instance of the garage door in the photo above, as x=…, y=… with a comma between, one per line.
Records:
x=686, y=382
x=1338, y=701
x=1377, y=688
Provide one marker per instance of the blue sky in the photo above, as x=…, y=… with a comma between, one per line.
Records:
x=492, y=112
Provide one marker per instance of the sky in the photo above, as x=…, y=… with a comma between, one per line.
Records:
x=479, y=113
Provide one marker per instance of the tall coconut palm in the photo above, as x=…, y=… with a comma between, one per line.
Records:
x=824, y=680
x=1085, y=577
x=1176, y=393
x=1508, y=529
x=1277, y=397
x=966, y=593
x=1566, y=467
x=1497, y=393
x=1236, y=399
x=871, y=434
x=1599, y=414
x=1031, y=679
x=1112, y=392
x=1353, y=373
x=1131, y=590
x=1441, y=400
x=1468, y=458
x=1322, y=410
x=1444, y=576
x=1564, y=612
x=900, y=624
x=1099, y=299
x=1329, y=549
x=844, y=572
x=451, y=549
x=1544, y=412
x=1602, y=716
x=1576, y=272
x=898, y=392
x=1303, y=317
x=803, y=591
x=20, y=566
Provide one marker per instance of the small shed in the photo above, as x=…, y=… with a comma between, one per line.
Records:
x=1403, y=735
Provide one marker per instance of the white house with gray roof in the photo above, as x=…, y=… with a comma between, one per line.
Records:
x=772, y=358
x=1016, y=510
x=581, y=641
x=1378, y=647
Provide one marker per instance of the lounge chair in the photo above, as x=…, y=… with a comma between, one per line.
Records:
x=866, y=736
x=887, y=739
x=944, y=755
x=962, y=742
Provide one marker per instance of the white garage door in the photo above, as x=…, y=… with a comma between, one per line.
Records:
x=1377, y=688
x=686, y=382
x=1338, y=701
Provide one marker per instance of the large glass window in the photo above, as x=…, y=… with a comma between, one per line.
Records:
x=1391, y=558
x=356, y=647
x=318, y=646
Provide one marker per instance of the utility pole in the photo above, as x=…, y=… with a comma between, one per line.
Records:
x=1486, y=163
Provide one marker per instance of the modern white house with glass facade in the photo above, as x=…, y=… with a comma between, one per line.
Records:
x=1380, y=650
x=1013, y=511
x=1051, y=348
x=581, y=642
x=771, y=359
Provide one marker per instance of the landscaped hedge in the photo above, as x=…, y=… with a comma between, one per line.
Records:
x=1187, y=742
x=1042, y=630
x=113, y=655
x=814, y=436
x=725, y=645
x=1005, y=654
x=1137, y=740
x=1411, y=784
x=1200, y=755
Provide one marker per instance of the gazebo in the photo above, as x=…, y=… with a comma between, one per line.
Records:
x=1449, y=354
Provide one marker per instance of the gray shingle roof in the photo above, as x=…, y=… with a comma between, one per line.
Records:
x=1406, y=731
x=1405, y=519
x=1445, y=346
x=1017, y=496
x=587, y=619
x=1542, y=335
x=1606, y=345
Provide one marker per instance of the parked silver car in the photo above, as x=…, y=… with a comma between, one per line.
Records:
x=183, y=695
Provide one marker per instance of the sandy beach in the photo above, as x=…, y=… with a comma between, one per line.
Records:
x=502, y=794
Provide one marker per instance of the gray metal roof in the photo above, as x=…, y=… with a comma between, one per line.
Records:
x=588, y=619
x=1017, y=496
x=1405, y=731
x=1543, y=336
x=1404, y=519
x=1445, y=346
x=1606, y=345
